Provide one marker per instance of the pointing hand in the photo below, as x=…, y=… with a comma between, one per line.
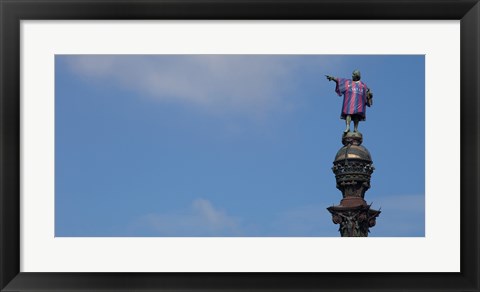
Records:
x=330, y=78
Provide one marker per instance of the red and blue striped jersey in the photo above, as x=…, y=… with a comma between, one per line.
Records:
x=354, y=97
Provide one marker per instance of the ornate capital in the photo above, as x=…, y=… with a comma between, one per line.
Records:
x=354, y=221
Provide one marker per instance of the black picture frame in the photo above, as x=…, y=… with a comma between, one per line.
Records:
x=13, y=11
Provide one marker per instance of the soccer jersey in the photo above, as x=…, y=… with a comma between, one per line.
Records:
x=354, y=97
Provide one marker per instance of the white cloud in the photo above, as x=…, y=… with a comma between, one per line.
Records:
x=402, y=215
x=200, y=219
x=308, y=220
x=219, y=82
x=407, y=203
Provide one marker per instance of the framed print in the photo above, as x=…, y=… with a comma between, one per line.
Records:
x=187, y=145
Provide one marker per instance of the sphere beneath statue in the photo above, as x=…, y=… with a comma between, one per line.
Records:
x=352, y=138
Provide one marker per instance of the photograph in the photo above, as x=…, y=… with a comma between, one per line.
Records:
x=251, y=145
x=239, y=145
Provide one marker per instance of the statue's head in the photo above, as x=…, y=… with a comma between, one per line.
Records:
x=356, y=75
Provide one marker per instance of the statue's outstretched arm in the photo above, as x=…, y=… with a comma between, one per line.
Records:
x=330, y=78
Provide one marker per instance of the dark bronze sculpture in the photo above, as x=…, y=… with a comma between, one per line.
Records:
x=353, y=164
x=356, y=95
x=353, y=168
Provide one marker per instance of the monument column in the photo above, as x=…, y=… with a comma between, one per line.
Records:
x=353, y=164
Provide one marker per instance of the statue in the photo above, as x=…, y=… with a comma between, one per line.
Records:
x=356, y=95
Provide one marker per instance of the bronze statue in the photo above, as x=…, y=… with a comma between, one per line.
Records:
x=356, y=95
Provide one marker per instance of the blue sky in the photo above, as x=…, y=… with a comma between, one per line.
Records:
x=229, y=145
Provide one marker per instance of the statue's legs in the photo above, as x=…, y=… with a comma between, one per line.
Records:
x=348, y=119
x=355, y=124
